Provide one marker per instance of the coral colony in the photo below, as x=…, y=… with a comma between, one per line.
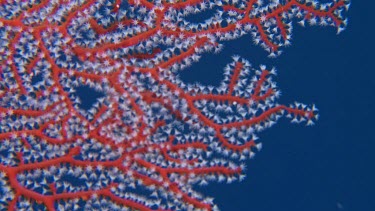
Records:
x=151, y=138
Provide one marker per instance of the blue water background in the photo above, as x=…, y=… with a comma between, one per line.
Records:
x=329, y=166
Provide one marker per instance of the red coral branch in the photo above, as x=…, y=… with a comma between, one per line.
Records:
x=151, y=138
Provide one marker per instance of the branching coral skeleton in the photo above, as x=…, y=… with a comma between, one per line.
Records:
x=151, y=138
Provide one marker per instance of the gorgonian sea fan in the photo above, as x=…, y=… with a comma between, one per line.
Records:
x=152, y=137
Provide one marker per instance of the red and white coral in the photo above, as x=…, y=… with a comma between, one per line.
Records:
x=151, y=138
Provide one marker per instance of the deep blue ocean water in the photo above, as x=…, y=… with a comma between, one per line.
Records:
x=329, y=166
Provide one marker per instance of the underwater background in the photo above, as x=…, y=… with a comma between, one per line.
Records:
x=329, y=166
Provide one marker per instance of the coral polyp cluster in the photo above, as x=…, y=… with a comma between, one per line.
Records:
x=151, y=138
